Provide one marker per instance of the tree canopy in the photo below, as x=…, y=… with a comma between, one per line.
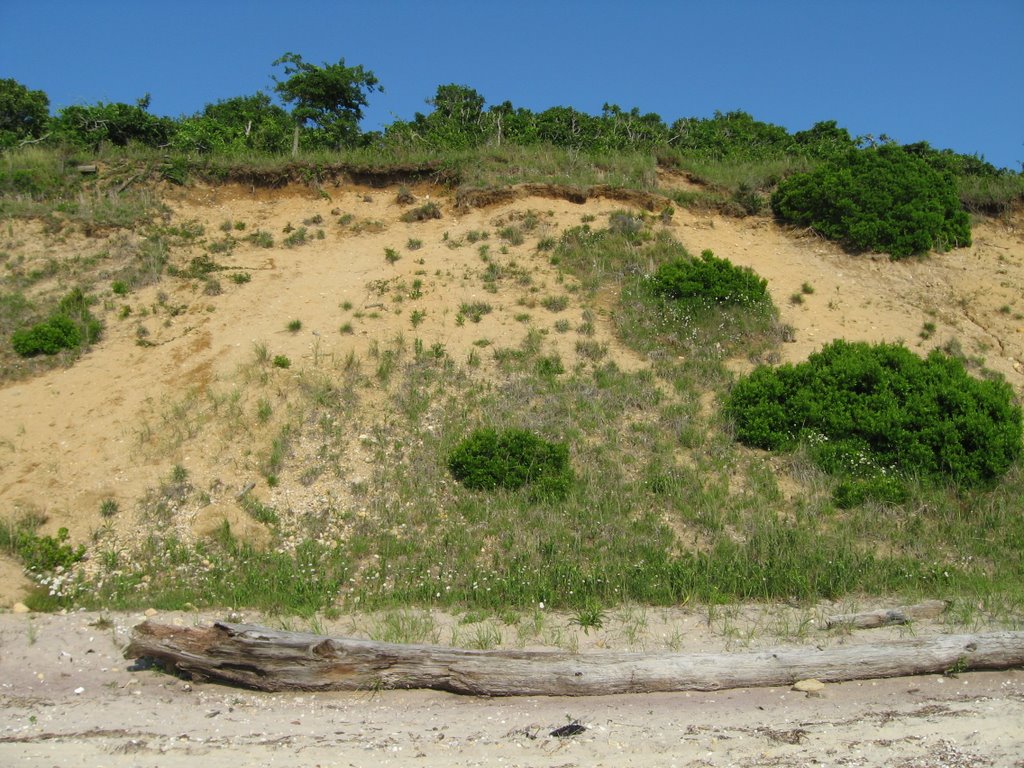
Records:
x=24, y=114
x=331, y=97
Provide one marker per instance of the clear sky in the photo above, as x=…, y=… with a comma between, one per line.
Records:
x=950, y=72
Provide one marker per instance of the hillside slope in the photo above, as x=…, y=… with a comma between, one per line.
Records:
x=172, y=382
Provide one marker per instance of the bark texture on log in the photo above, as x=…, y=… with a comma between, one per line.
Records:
x=271, y=660
x=883, y=617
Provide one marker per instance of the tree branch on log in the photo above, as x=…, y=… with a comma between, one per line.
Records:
x=271, y=660
x=904, y=614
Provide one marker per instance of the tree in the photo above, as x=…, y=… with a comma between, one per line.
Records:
x=457, y=121
x=330, y=97
x=236, y=125
x=120, y=124
x=631, y=130
x=24, y=114
x=824, y=140
x=732, y=135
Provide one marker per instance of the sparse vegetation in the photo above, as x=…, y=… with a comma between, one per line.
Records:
x=71, y=326
x=425, y=212
x=296, y=238
x=474, y=310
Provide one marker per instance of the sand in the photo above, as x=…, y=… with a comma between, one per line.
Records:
x=69, y=699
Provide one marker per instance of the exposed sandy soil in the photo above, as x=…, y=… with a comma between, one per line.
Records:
x=69, y=699
x=111, y=425
x=73, y=437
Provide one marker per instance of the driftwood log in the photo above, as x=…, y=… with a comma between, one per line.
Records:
x=884, y=617
x=270, y=660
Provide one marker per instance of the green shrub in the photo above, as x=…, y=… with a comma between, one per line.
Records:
x=882, y=199
x=424, y=212
x=42, y=554
x=865, y=411
x=710, y=279
x=69, y=327
x=47, y=338
x=296, y=238
x=511, y=459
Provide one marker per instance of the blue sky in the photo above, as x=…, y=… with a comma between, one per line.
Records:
x=950, y=72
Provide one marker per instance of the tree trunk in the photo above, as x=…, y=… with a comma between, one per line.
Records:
x=270, y=660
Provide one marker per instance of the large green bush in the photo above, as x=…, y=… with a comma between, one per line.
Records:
x=882, y=199
x=870, y=410
x=512, y=458
x=710, y=279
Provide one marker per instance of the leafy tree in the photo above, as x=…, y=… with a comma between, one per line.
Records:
x=457, y=119
x=631, y=130
x=823, y=140
x=508, y=124
x=24, y=114
x=118, y=123
x=883, y=199
x=457, y=122
x=238, y=124
x=330, y=97
x=567, y=127
x=733, y=135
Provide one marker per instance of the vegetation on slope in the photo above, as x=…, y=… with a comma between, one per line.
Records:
x=656, y=502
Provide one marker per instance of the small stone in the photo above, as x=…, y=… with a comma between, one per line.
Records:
x=20, y=608
x=151, y=611
x=79, y=690
x=809, y=686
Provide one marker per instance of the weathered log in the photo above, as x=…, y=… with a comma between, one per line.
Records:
x=271, y=660
x=883, y=617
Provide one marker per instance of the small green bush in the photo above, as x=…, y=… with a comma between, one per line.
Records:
x=866, y=411
x=47, y=338
x=423, y=212
x=710, y=279
x=511, y=459
x=42, y=554
x=70, y=326
x=885, y=199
